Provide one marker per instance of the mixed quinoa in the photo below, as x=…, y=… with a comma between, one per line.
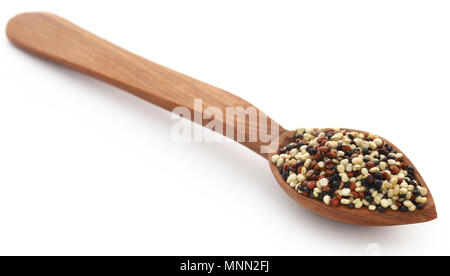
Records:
x=350, y=168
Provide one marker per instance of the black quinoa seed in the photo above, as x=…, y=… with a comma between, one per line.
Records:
x=351, y=206
x=291, y=146
x=420, y=206
x=403, y=209
x=334, y=184
x=285, y=175
x=365, y=182
x=381, y=209
x=377, y=184
x=377, y=175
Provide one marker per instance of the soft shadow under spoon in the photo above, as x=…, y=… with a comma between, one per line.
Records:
x=57, y=39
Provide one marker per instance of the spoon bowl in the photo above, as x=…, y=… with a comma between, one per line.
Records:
x=362, y=216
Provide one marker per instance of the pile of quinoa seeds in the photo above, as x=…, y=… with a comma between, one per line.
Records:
x=349, y=168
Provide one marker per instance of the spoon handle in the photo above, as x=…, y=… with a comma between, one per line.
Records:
x=57, y=39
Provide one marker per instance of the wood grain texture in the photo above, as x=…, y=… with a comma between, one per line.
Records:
x=59, y=40
x=361, y=216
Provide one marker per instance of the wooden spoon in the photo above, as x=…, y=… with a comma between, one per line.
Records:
x=57, y=39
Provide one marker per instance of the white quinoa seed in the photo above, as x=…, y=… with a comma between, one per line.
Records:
x=349, y=167
x=390, y=193
x=345, y=201
x=326, y=199
x=323, y=182
x=275, y=158
x=344, y=178
x=364, y=171
x=423, y=191
x=357, y=161
x=408, y=195
x=307, y=163
x=378, y=142
x=407, y=203
x=303, y=171
x=280, y=162
x=291, y=178
x=372, y=145
x=316, y=192
x=385, y=203
x=377, y=199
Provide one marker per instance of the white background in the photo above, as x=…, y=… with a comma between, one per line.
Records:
x=88, y=169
